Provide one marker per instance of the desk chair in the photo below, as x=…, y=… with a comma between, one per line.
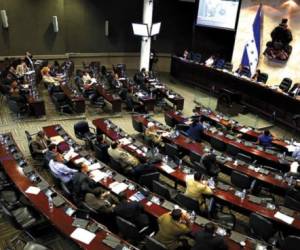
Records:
x=17, y=108
x=232, y=150
x=241, y=180
x=217, y=144
x=261, y=228
x=138, y=126
x=182, y=127
x=187, y=203
x=130, y=231
x=215, y=212
x=285, y=84
x=170, y=121
x=228, y=66
x=262, y=78
x=195, y=157
x=83, y=132
x=197, y=57
x=36, y=157
x=172, y=151
x=146, y=180
x=291, y=242
x=164, y=191
x=292, y=199
x=153, y=244
x=61, y=103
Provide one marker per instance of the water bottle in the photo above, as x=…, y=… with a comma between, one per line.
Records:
x=50, y=202
x=244, y=194
x=290, y=180
x=193, y=216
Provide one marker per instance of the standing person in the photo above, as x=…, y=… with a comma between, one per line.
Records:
x=28, y=60
x=153, y=59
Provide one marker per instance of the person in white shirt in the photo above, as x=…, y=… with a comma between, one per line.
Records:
x=60, y=170
x=210, y=61
x=21, y=68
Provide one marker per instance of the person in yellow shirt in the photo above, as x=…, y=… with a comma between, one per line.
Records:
x=126, y=160
x=196, y=188
x=152, y=134
x=172, y=226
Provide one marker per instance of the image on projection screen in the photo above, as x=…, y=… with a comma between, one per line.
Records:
x=218, y=13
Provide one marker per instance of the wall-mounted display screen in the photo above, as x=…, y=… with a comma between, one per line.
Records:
x=218, y=13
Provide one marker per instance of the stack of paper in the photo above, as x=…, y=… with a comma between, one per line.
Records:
x=124, y=141
x=167, y=168
x=119, y=187
x=244, y=130
x=94, y=166
x=285, y=218
x=83, y=235
x=98, y=175
x=80, y=160
x=70, y=154
x=33, y=190
x=56, y=139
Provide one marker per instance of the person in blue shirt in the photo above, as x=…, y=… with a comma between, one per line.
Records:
x=195, y=131
x=265, y=139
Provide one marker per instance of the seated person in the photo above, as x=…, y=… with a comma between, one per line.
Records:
x=255, y=77
x=209, y=161
x=21, y=68
x=40, y=144
x=151, y=132
x=132, y=211
x=196, y=188
x=279, y=47
x=88, y=81
x=195, y=130
x=126, y=160
x=172, y=226
x=116, y=83
x=210, y=61
x=296, y=153
x=15, y=93
x=186, y=54
x=92, y=194
x=47, y=78
x=295, y=90
x=50, y=153
x=265, y=139
x=207, y=240
x=60, y=170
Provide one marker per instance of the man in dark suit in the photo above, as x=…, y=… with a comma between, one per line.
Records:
x=206, y=240
x=133, y=212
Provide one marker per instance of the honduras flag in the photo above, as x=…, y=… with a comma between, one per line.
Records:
x=252, y=47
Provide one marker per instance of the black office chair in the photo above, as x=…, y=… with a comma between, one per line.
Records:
x=34, y=246
x=246, y=72
x=146, y=180
x=83, y=132
x=138, y=126
x=129, y=231
x=217, y=144
x=232, y=150
x=199, y=167
x=182, y=127
x=101, y=153
x=187, y=203
x=216, y=213
x=61, y=103
x=197, y=57
x=243, y=157
x=116, y=165
x=164, y=191
x=292, y=199
x=263, y=78
x=291, y=242
x=17, y=108
x=172, y=151
x=195, y=157
x=21, y=218
x=10, y=199
x=228, y=66
x=241, y=180
x=153, y=244
x=170, y=121
x=285, y=84
x=261, y=227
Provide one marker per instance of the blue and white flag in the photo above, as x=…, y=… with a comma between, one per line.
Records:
x=252, y=47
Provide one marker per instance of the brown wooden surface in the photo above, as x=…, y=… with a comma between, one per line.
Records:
x=57, y=216
x=115, y=101
x=151, y=208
